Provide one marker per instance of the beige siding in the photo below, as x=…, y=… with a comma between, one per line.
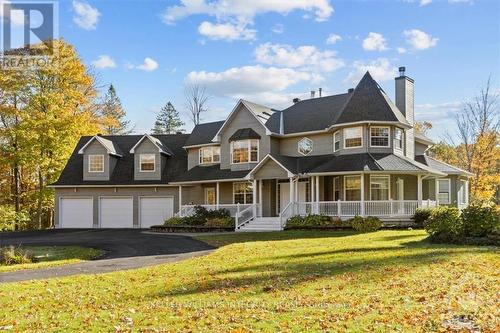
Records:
x=193, y=157
x=271, y=170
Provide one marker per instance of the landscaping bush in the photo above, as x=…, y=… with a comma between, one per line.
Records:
x=365, y=224
x=175, y=221
x=421, y=216
x=295, y=221
x=313, y=220
x=204, y=214
x=480, y=221
x=445, y=225
x=221, y=222
x=12, y=255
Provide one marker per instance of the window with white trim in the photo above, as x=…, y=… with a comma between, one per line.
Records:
x=379, y=136
x=210, y=155
x=305, y=146
x=444, y=186
x=379, y=187
x=398, y=138
x=336, y=141
x=352, y=188
x=244, y=151
x=243, y=193
x=147, y=162
x=353, y=137
x=96, y=163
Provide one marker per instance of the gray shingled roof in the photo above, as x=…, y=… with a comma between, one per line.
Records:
x=212, y=172
x=422, y=138
x=441, y=166
x=123, y=173
x=203, y=133
x=244, y=133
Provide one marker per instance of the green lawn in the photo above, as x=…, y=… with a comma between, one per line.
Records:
x=289, y=281
x=47, y=256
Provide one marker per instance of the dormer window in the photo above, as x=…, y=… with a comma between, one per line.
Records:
x=353, y=137
x=209, y=155
x=244, y=151
x=96, y=163
x=379, y=136
x=147, y=162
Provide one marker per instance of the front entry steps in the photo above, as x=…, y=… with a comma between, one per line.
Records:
x=261, y=224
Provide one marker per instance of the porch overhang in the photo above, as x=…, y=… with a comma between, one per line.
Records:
x=265, y=161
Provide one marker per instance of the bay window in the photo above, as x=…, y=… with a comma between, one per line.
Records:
x=379, y=187
x=379, y=136
x=243, y=193
x=353, y=137
x=96, y=163
x=352, y=188
x=244, y=151
x=444, y=186
x=209, y=155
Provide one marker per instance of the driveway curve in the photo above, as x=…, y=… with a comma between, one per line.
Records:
x=124, y=249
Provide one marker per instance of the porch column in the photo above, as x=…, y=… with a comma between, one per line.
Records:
x=362, y=194
x=419, y=190
x=312, y=188
x=260, y=197
x=254, y=197
x=291, y=190
x=217, y=195
x=180, y=200
x=316, y=196
x=436, y=188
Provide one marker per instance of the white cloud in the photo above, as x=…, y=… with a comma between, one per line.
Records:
x=304, y=57
x=245, y=10
x=401, y=50
x=148, y=65
x=419, y=40
x=374, y=42
x=86, y=16
x=250, y=80
x=380, y=69
x=104, y=61
x=278, y=28
x=333, y=38
x=16, y=16
x=226, y=31
x=437, y=112
x=425, y=2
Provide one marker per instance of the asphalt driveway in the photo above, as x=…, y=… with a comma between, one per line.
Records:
x=124, y=249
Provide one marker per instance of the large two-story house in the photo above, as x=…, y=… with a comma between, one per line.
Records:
x=355, y=153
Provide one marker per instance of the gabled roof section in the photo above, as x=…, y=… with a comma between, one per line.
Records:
x=420, y=137
x=110, y=146
x=260, y=112
x=441, y=166
x=369, y=102
x=279, y=160
x=161, y=147
x=203, y=134
x=244, y=133
x=309, y=115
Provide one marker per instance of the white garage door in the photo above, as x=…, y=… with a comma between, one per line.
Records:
x=75, y=213
x=116, y=212
x=154, y=211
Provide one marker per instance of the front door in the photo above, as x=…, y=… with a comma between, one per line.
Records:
x=285, y=194
x=209, y=195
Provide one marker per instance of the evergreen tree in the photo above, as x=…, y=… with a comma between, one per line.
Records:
x=113, y=115
x=167, y=121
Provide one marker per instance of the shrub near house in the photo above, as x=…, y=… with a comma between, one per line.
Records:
x=202, y=219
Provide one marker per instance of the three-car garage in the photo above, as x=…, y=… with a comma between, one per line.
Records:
x=114, y=211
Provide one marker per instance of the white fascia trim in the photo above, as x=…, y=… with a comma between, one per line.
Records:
x=263, y=161
x=209, y=181
x=376, y=122
x=96, y=137
x=152, y=141
x=202, y=145
x=117, y=186
x=240, y=102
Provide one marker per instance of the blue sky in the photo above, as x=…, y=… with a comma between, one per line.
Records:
x=272, y=52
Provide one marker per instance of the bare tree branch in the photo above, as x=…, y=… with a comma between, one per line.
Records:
x=196, y=101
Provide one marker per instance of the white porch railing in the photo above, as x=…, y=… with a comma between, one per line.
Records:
x=246, y=215
x=188, y=210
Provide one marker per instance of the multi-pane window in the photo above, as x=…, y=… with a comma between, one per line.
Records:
x=336, y=188
x=210, y=155
x=444, y=191
x=305, y=146
x=353, y=137
x=245, y=151
x=336, y=141
x=379, y=136
x=352, y=186
x=96, y=163
x=379, y=188
x=398, y=138
x=243, y=193
x=147, y=162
